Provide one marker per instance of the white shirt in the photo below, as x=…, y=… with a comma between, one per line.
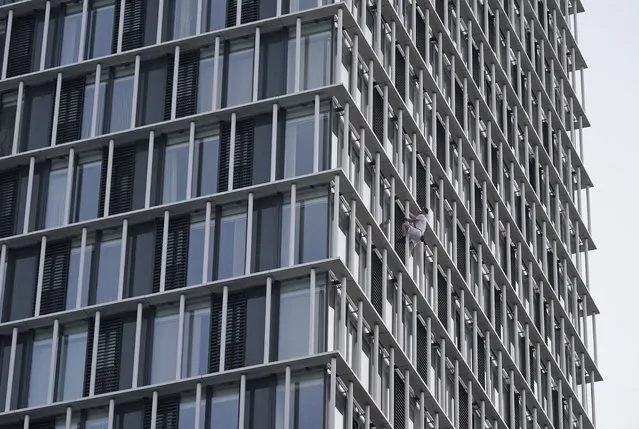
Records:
x=420, y=222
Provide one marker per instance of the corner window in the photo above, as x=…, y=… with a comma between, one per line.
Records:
x=299, y=154
x=307, y=401
x=315, y=58
x=311, y=230
x=71, y=365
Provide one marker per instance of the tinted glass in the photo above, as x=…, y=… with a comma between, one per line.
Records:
x=206, y=160
x=176, y=161
x=87, y=192
x=38, y=122
x=293, y=320
x=164, y=356
x=101, y=31
x=307, y=402
x=205, y=85
x=195, y=350
x=184, y=18
x=187, y=413
x=56, y=198
x=315, y=65
x=7, y=125
x=120, y=115
x=196, y=250
x=108, y=269
x=232, y=246
x=239, y=78
x=39, y=373
x=314, y=221
x=224, y=409
x=71, y=366
x=74, y=271
x=213, y=15
x=298, y=156
x=71, y=38
x=87, y=109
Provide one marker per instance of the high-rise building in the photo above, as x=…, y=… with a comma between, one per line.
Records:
x=202, y=207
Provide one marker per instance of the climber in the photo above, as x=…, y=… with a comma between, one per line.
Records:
x=414, y=227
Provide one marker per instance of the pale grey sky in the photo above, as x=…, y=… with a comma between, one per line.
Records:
x=608, y=39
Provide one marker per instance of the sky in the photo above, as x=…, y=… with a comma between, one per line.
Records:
x=608, y=39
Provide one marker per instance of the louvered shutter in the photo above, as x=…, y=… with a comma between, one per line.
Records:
x=481, y=360
x=378, y=115
x=479, y=214
x=377, y=298
x=168, y=89
x=498, y=320
x=215, y=342
x=250, y=10
x=148, y=414
x=107, y=371
x=400, y=240
x=225, y=147
x=168, y=411
x=442, y=300
x=400, y=402
x=421, y=184
x=421, y=35
x=463, y=408
x=122, y=177
x=243, y=161
x=400, y=73
x=70, y=110
x=422, y=351
x=54, y=281
x=89, y=357
x=47, y=423
x=9, y=196
x=231, y=12
x=235, y=331
x=21, y=45
x=186, y=98
x=134, y=19
x=115, y=27
x=157, y=258
x=177, y=252
x=441, y=143
x=461, y=252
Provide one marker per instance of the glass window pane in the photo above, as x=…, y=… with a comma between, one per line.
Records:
x=293, y=319
x=315, y=65
x=206, y=159
x=298, y=156
x=164, y=356
x=71, y=367
x=184, y=18
x=97, y=420
x=205, y=85
x=176, y=161
x=307, y=402
x=187, y=412
x=74, y=271
x=120, y=115
x=196, y=250
x=87, y=109
x=225, y=408
x=108, y=269
x=56, y=198
x=87, y=190
x=239, y=88
x=7, y=123
x=101, y=31
x=313, y=216
x=40, y=365
x=232, y=245
x=195, y=351
x=71, y=38
x=213, y=15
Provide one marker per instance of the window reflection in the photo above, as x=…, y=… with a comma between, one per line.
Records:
x=206, y=159
x=39, y=373
x=311, y=231
x=187, y=412
x=56, y=198
x=224, y=408
x=195, y=350
x=87, y=189
x=232, y=245
x=184, y=14
x=97, y=419
x=205, y=84
x=315, y=59
x=70, y=46
x=239, y=76
x=71, y=367
x=121, y=101
x=74, y=272
x=299, y=155
x=106, y=289
x=176, y=158
x=164, y=356
x=87, y=109
x=101, y=30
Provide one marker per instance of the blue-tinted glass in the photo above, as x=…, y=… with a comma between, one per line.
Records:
x=87, y=109
x=39, y=374
x=240, y=77
x=184, y=18
x=71, y=38
x=205, y=85
x=196, y=250
x=206, y=160
x=164, y=354
x=298, y=156
x=87, y=193
x=122, y=98
x=74, y=271
x=314, y=221
x=72, y=358
x=101, y=31
x=108, y=269
x=176, y=161
x=225, y=409
x=232, y=246
x=196, y=341
x=56, y=192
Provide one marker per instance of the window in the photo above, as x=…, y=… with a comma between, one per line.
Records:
x=141, y=248
x=100, y=39
x=206, y=162
x=231, y=245
x=315, y=60
x=86, y=199
x=176, y=157
x=106, y=286
x=294, y=319
x=224, y=408
x=187, y=412
x=7, y=122
x=307, y=401
x=239, y=75
x=205, y=83
x=20, y=283
x=87, y=108
x=40, y=365
x=195, y=349
x=121, y=100
x=152, y=91
x=72, y=27
x=184, y=18
x=97, y=419
x=311, y=230
x=74, y=273
x=37, y=117
x=213, y=15
x=70, y=377
x=299, y=5
x=56, y=197
x=299, y=155
x=196, y=250
x=163, y=355
x=259, y=401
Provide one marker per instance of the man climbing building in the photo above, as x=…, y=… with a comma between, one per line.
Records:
x=414, y=227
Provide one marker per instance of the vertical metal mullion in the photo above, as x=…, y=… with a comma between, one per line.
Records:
x=94, y=354
x=198, y=402
x=158, y=33
x=154, y=403
x=12, y=366
x=256, y=62
x=165, y=241
x=225, y=299
x=316, y=138
x=27, y=210
x=287, y=397
x=3, y=260
x=232, y=152
x=249, y=235
x=267, y=318
x=136, y=347
x=136, y=87
x=125, y=230
x=111, y=414
x=242, y=404
x=83, y=29
x=339, y=47
x=352, y=229
x=360, y=329
x=45, y=35
x=335, y=218
x=69, y=414
x=56, y=109
x=107, y=192
x=332, y=400
x=375, y=362
x=38, y=297
x=298, y=53
x=343, y=316
x=176, y=74
x=189, y=167
x=83, y=245
x=7, y=44
x=311, y=312
x=216, y=77
x=149, y=170
x=369, y=260
x=207, y=244
x=293, y=221
x=362, y=162
x=180, y=340
x=96, y=99
x=274, y=128
x=53, y=361
x=18, y=120
x=121, y=25
x=238, y=21
x=69, y=187
x=349, y=406
x=198, y=30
